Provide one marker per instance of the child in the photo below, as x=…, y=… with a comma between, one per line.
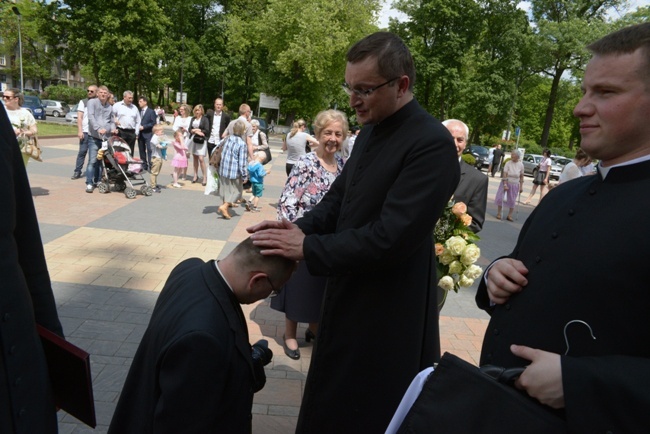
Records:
x=179, y=163
x=256, y=174
x=156, y=156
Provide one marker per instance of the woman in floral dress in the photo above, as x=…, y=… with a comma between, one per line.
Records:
x=309, y=180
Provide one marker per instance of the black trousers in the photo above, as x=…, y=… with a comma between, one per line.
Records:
x=128, y=136
x=145, y=151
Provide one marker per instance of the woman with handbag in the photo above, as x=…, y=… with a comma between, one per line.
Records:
x=541, y=178
x=21, y=119
x=260, y=142
x=200, y=130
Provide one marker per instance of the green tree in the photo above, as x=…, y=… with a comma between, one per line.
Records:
x=563, y=29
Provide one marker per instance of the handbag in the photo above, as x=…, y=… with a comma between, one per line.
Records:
x=215, y=157
x=198, y=139
x=267, y=151
x=31, y=148
x=458, y=397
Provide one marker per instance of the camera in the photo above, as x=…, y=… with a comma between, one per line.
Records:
x=261, y=355
x=260, y=352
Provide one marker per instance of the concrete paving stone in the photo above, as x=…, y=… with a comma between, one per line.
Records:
x=111, y=360
x=136, y=335
x=133, y=299
x=297, y=375
x=111, y=378
x=106, y=330
x=284, y=410
x=127, y=349
x=279, y=391
x=142, y=284
x=105, y=396
x=50, y=232
x=275, y=373
x=104, y=348
x=76, y=277
x=274, y=424
x=260, y=409
x=81, y=312
x=133, y=318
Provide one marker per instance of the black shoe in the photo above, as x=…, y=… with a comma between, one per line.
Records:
x=292, y=354
x=75, y=176
x=309, y=335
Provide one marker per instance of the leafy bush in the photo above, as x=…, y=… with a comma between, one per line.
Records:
x=70, y=95
x=469, y=159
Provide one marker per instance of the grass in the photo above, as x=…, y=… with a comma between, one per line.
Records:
x=51, y=129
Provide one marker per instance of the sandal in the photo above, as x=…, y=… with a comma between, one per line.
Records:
x=509, y=219
x=498, y=216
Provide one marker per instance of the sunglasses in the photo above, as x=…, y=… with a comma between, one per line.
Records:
x=7, y=97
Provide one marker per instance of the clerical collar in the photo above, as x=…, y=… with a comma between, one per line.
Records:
x=216, y=265
x=605, y=170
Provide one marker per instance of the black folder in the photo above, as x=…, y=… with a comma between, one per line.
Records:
x=69, y=368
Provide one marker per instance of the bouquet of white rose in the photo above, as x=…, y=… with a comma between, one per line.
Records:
x=456, y=251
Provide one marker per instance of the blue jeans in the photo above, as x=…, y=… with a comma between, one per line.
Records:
x=92, y=171
x=81, y=156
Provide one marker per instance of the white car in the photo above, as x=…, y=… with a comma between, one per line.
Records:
x=71, y=116
x=55, y=108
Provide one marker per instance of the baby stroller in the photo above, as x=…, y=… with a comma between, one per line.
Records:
x=121, y=171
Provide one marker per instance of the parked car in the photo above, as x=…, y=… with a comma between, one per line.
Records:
x=34, y=105
x=480, y=153
x=55, y=108
x=531, y=166
x=71, y=116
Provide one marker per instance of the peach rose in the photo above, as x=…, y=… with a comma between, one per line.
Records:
x=459, y=209
x=439, y=249
x=466, y=219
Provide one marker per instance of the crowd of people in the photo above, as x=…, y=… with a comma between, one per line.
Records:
x=359, y=235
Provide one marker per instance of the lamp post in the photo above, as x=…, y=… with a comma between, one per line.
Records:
x=182, y=64
x=20, y=47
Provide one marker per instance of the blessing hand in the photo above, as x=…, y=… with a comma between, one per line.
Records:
x=281, y=238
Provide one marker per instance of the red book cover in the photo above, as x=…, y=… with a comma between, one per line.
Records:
x=69, y=368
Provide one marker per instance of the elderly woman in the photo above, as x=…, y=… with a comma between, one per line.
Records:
x=511, y=185
x=21, y=119
x=296, y=143
x=200, y=132
x=182, y=122
x=574, y=169
x=260, y=141
x=233, y=169
x=309, y=180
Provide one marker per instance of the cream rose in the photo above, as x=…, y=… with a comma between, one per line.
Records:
x=470, y=254
x=473, y=271
x=455, y=268
x=447, y=257
x=465, y=281
x=446, y=283
x=456, y=245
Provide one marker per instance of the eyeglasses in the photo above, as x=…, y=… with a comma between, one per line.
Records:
x=274, y=292
x=364, y=93
x=6, y=97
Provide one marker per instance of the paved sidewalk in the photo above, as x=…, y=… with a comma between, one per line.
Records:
x=109, y=256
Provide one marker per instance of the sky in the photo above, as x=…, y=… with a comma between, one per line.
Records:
x=388, y=12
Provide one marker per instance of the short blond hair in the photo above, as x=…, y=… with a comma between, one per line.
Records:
x=239, y=128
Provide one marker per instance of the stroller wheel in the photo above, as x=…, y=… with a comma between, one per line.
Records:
x=130, y=193
x=103, y=187
x=120, y=186
x=146, y=190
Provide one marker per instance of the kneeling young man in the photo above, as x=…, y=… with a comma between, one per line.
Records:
x=195, y=370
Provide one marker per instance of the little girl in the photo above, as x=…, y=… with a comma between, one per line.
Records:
x=179, y=163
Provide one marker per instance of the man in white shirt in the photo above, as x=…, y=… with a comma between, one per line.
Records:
x=82, y=131
x=127, y=119
x=219, y=121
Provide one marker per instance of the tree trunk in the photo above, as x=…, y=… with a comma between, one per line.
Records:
x=550, y=108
